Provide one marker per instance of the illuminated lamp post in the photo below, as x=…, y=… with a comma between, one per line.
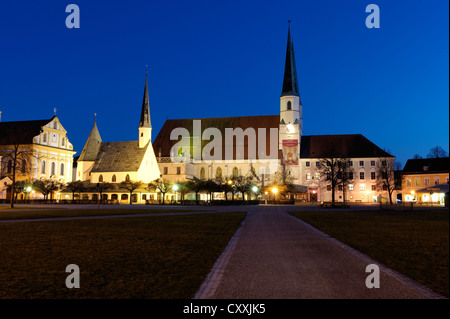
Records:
x=175, y=188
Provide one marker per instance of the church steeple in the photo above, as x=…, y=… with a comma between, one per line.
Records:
x=92, y=145
x=290, y=82
x=145, y=112
x=145, y=125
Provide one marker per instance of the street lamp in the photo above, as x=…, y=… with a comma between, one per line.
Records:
x=274, y=191
x=175, y=188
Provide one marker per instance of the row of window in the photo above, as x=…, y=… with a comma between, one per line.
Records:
x=52, y=168
x=350, y=176
x=44, y=140
x=113, y=179
x=427, y=181
x=362, y=187
x=350, y=163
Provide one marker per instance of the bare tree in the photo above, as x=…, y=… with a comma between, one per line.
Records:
x=386, y=180
x=345, y=175
x=75, y=187
x=130, y=186
x=46, y=187
x=161, y=185
x=102, y=187
x=329, y=171
x=417, y=156
x=437, y=152
x=17, y=160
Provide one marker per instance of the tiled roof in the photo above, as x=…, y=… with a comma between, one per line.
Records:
x=119, y=157
x=314, y=146
x=92, y=146
x=163, y=144
x=348, y=145
x=21, y=132
x=427, y=165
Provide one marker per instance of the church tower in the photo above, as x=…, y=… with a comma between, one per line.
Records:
x=89, y=154
x=291, y=122
x=145, y=126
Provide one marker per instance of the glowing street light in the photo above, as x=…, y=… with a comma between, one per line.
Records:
x=175, y=187
x=274, y=190
x=255, y=189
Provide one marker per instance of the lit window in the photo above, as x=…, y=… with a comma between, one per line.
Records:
x=362, y=187
x=417, y=182
x=408, y=182
x=350, y=187
x=308, y=176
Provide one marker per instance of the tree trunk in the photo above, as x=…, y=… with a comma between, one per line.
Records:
x=131, y=195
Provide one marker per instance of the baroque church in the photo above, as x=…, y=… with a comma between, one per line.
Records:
x=211, y=148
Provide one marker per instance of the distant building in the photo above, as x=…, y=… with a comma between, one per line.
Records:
x=46, y=152
x=425, y=180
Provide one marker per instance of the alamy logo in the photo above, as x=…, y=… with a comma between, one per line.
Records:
x=224, y=149
x=73, y=19
x=373, y=19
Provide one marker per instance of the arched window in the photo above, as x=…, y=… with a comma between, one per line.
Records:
x=289, y=105
x=62, y=169
x=24, y=166
x=43, y=167
x=114, y=178
x=218, y=173
x=235, y=172
x=9, y=169
x=44, y=138
x=100, y=179
x=123, y=196
x=114, y=197
x=63, y=141
x=53, y=170
x=127, y=178
x=202, y=173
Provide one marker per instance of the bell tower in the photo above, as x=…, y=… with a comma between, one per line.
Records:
x=145, y=126
x=291, y=120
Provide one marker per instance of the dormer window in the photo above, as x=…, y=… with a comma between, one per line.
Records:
x=425, y=168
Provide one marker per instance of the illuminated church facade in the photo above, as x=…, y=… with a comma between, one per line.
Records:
x=222, y=148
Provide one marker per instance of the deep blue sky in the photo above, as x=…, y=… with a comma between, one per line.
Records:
x=226, y=58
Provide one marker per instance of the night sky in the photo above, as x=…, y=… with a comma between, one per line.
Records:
x=226, y=58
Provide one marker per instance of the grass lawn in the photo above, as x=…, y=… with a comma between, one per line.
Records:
x=36, y=213
x=415, y=243
x=141, y=257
